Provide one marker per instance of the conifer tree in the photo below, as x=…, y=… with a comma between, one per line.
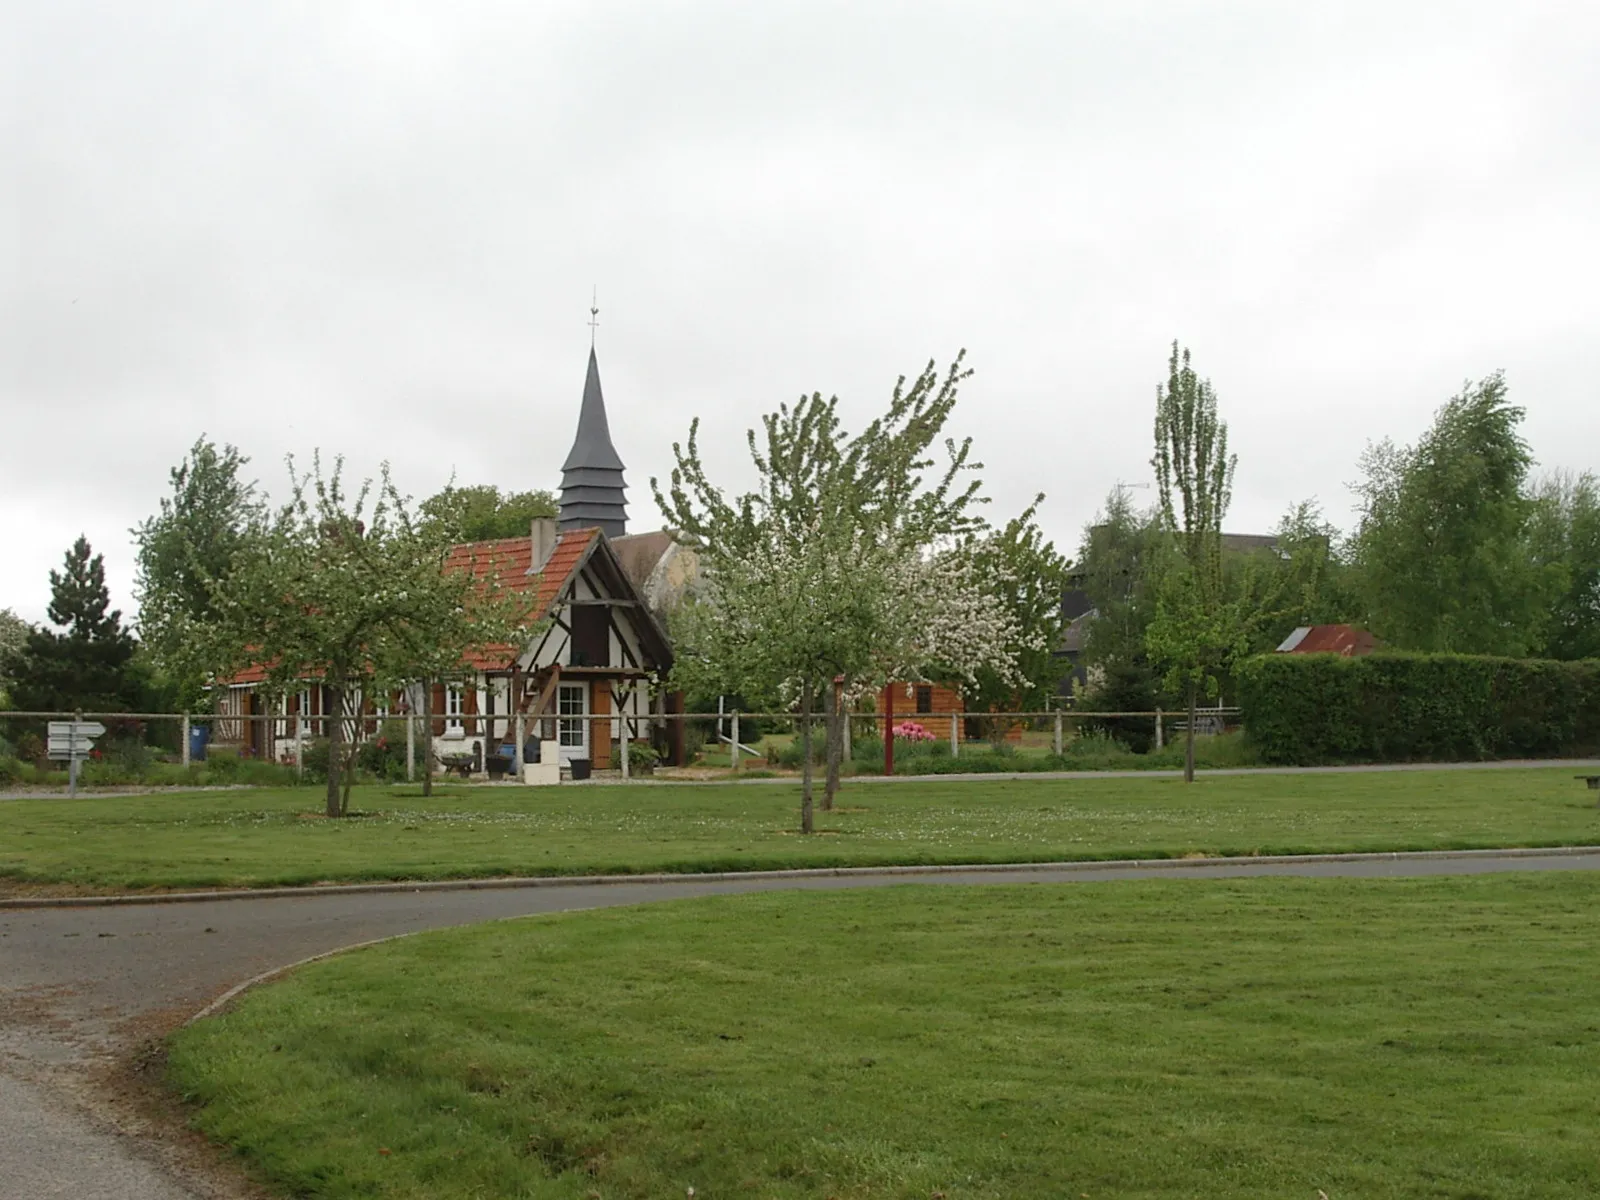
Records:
x=85, y=662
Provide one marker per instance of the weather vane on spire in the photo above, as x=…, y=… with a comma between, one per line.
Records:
x=594, y=316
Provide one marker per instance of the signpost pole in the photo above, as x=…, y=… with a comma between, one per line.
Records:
x=72, y=758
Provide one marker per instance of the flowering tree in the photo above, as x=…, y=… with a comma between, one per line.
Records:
x=348, y=589
x=846, y=562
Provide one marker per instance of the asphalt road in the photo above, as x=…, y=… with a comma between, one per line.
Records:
x=80, y=988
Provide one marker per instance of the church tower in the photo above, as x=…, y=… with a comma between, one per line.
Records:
x=591, y=478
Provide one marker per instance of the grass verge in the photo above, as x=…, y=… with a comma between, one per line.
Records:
x=1262, y=1038
x=278, y=837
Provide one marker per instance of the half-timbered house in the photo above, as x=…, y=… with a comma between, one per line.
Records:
x=588, y=681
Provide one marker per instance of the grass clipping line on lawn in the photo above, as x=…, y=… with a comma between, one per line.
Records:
x=265, y=838
x=1261, y=1038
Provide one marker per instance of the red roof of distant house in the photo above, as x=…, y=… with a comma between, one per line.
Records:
x=1329, y=639
x=510, y=559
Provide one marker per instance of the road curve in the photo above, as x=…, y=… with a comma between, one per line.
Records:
x=80, y=986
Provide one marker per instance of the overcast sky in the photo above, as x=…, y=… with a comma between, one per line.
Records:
x=373, y=228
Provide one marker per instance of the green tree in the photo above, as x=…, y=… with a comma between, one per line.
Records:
x=1196, y=632
x=1564, y=539
x=481, y=512
x=1441, y=549
x=85, y=663
x=192, y=540
x=350, y=589
x=1116, y=571
x=1305, y=580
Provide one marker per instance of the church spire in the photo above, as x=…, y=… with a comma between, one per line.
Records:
x=591, y=479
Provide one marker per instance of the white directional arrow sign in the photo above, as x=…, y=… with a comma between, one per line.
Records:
x=72, y=739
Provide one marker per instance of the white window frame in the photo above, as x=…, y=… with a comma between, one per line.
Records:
x=455, y=704
x=572, y=723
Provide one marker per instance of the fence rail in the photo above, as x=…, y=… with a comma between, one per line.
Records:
x=282, y=738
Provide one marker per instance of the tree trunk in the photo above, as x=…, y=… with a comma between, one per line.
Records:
x=833, y=754
x=335, y=746
x=427, y=737
x=1188, y=744
x=350, y=758
x=805, y=757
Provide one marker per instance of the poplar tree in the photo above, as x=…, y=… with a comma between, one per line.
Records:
x=1196, y=632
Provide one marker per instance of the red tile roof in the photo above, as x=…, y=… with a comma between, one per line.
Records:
x=1329, y=639
x=510, y=558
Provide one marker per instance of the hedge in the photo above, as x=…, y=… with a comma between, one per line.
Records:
x=1393, y=707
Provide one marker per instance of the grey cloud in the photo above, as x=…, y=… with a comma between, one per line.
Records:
x=373, y=227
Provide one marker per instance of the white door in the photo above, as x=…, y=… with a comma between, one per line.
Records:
x=572, y=726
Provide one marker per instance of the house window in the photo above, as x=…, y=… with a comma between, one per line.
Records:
x=303, y=713
x=281, y=725
x=571, y=703
x=454, y=701
x=924, y=700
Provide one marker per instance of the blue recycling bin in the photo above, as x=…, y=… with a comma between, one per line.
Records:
x=199, y=737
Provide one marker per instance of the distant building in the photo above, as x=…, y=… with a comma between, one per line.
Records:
x=589, y=680
x=1345, y=640
x=1078, y=611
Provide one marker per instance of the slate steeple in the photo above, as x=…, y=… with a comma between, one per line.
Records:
x=591, y=478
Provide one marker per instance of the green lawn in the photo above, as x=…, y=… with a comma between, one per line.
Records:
x=262, y=837
x=1261, y=1038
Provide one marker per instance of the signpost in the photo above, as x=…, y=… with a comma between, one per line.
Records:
x=71, y=741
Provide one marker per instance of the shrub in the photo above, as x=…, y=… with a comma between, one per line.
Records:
x=1124, y=687
x=642, y=757
x=10, y=770
x=1394, y=707
x=382, y=757
x=31, y=749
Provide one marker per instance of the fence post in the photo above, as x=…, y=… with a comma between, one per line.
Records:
x=521, y=734
x=300, y=755
x=1058, y=732
x=411, y=742
x=1159, y=742
x=888, y=730
x=622, y=741
x=733, y=750
x=955, y=737
x=184, y=734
